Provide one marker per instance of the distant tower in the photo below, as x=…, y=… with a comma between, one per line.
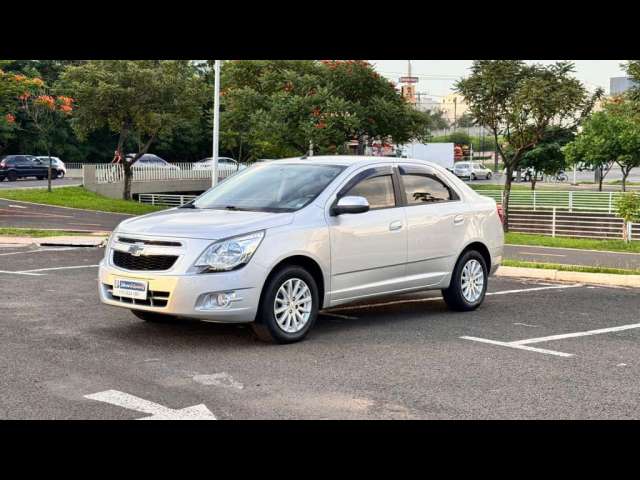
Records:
x=408, y=88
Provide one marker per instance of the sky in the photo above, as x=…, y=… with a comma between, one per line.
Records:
x=436, y=77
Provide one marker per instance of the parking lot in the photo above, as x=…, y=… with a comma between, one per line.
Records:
x=533, y=350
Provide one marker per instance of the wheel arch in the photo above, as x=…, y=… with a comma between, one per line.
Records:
x=481, y=248
x=309, y=264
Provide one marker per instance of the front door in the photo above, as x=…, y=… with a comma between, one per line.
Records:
x=369, y=250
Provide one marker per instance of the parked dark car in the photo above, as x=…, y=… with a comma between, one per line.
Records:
x=13, y=167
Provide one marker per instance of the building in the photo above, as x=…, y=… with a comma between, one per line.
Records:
x=619, y=85
x=453, y=106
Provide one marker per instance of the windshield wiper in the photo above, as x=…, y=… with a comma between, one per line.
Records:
x=188, y=205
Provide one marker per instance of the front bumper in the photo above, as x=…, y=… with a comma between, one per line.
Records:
x=181, y=295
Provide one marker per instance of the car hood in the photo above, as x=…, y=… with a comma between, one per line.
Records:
x=202, y=223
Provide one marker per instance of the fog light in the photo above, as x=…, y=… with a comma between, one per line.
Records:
x=215, y=300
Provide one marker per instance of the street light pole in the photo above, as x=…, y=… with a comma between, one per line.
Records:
x=216, y=121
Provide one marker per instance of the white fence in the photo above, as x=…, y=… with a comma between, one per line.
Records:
x=568, y=200
x=112, y=173
x=165, y=200
x=557, y=222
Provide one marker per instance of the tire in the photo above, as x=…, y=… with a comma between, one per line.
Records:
x=267, y=326
x=60, y=175
x=12, y=176
x=153, y=316
x=473, y=176
x=527, y=178
x=40, y=178
x=489, y=176
x=454, y=296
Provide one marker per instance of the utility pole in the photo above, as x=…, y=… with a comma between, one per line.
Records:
x=216, y=121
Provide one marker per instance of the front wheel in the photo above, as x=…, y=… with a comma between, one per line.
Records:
x=468, y=283
x=289, y=306
x=60, y=174
x=489, y=176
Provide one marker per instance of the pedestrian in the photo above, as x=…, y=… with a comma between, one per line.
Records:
x=117, y=157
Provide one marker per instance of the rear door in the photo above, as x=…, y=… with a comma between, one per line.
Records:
x=24, y=168
x=435, y=224
x=369, y=250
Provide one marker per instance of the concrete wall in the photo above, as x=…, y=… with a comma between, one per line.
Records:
x=115, y=190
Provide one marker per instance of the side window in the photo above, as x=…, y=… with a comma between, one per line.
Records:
x=421, y=189
x=377, y=190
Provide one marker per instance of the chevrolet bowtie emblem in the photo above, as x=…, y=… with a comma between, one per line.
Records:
x=136, y=249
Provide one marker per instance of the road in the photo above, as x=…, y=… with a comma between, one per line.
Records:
x=30, y=183
x=29, y=215
x=573, y=256
x=66, y=356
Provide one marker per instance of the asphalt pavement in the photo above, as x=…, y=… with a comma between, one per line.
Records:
x=67, y=356
x=30, y=215
x=570, y=256
x=31, y=183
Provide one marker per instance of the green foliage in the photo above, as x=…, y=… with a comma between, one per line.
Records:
x=628, y=207
x=519, y=102
x=77, y=197
x=610, y=135
x=547, y=156
x=275, y=108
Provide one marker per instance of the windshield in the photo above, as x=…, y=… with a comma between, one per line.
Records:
x=281, y=187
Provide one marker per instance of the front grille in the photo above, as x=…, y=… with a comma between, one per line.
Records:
x=149, y=242
x=143, y=262
x=154, y=298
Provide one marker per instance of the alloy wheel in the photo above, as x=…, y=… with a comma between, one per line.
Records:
x=472, y=281
x=292, y=305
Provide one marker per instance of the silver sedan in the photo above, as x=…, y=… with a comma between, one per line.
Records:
x=281, y=240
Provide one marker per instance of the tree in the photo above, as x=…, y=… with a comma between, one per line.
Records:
x=44, y=111
x=628, y=207
x=609, y=136
x=547, y=156
x=633, y=70
x=465, y=121
x=140, y=100
x=11, y=86
x=518, y=102
x=283, y=108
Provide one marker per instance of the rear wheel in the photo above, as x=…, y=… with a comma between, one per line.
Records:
x=468, y=283
x=12, y=176
x=473, y=176
x=153, y=316
x=489, y=176
x=289, y=306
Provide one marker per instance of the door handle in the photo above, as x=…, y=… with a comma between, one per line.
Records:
x=397, y=225
x=458, y=220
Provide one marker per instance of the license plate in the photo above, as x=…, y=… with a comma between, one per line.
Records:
x=124, y=287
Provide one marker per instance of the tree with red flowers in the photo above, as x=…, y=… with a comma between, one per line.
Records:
x=45, y=111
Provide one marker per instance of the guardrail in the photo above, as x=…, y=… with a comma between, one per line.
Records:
x=165, y=199
x=557, y=222
x=568, y=200
x=114, y=173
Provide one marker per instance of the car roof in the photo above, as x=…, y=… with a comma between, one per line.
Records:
x=349, y=160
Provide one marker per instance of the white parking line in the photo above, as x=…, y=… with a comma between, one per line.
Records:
x=518, y=346
x=523, y=344
x=22, y=273
x=577, y=334
x=57, y=268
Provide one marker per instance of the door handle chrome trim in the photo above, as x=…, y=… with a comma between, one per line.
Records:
x=397, y=225
x=458, y=220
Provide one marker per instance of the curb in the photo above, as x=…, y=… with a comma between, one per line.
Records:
x=63, y=241
x=564, y=276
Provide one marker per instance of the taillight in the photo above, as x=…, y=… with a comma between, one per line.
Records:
x=2, y=164
x=500, y=212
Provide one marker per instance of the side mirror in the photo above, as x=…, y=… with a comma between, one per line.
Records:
x=350, y=204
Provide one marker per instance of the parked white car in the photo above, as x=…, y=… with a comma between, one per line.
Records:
x=149, y=160
x=56, y=163
x=280, y=240
x=471, y=170
x=224, y=163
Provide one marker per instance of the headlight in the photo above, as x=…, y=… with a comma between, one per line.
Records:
x=229, y=254
x=107, y=244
